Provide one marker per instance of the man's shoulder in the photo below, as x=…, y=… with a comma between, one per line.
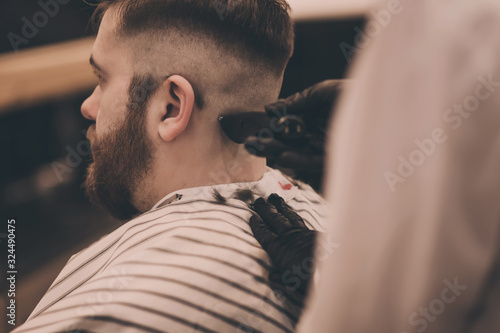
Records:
x=208, y=213
x=193, y=217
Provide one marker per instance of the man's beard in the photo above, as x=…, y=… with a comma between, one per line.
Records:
x=123, y=157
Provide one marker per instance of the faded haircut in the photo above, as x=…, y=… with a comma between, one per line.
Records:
x=258, y=31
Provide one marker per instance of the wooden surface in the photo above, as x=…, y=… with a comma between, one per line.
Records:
x=42, y=74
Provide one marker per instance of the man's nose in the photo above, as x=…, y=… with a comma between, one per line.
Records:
x=91, y=105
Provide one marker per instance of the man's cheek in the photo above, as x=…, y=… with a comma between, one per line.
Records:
x=111, y=113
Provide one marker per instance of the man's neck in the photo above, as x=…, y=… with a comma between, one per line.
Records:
x=224, y=168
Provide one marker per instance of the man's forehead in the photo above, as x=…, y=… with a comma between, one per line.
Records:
x=107, y=33
x=107, y=50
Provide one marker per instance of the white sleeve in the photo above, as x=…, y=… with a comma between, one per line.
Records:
x=414, y=175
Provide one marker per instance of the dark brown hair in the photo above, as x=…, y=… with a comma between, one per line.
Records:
x=260, y=31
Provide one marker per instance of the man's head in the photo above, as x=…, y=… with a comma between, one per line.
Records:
x=167, y=69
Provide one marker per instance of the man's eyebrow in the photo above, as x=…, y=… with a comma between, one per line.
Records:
x=95, y=65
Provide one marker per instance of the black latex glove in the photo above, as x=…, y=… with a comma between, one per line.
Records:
x=287, y=240
x=303, y=155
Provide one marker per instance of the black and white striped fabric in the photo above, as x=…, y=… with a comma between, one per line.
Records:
x=191, y=264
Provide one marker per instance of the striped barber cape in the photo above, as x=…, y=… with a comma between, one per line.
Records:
x=190, y=264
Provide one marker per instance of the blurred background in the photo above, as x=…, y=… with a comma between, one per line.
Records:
x=44, y=78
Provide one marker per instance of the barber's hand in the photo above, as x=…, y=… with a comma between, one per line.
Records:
x=304, y=155
x=287, y=240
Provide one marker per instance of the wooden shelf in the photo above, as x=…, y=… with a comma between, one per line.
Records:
x=46, y=73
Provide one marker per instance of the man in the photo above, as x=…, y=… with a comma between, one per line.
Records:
x=188, y=262
x=424, y=248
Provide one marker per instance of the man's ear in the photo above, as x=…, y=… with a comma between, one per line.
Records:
x=178, y=106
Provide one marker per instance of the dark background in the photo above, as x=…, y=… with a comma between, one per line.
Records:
x=53, y=220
